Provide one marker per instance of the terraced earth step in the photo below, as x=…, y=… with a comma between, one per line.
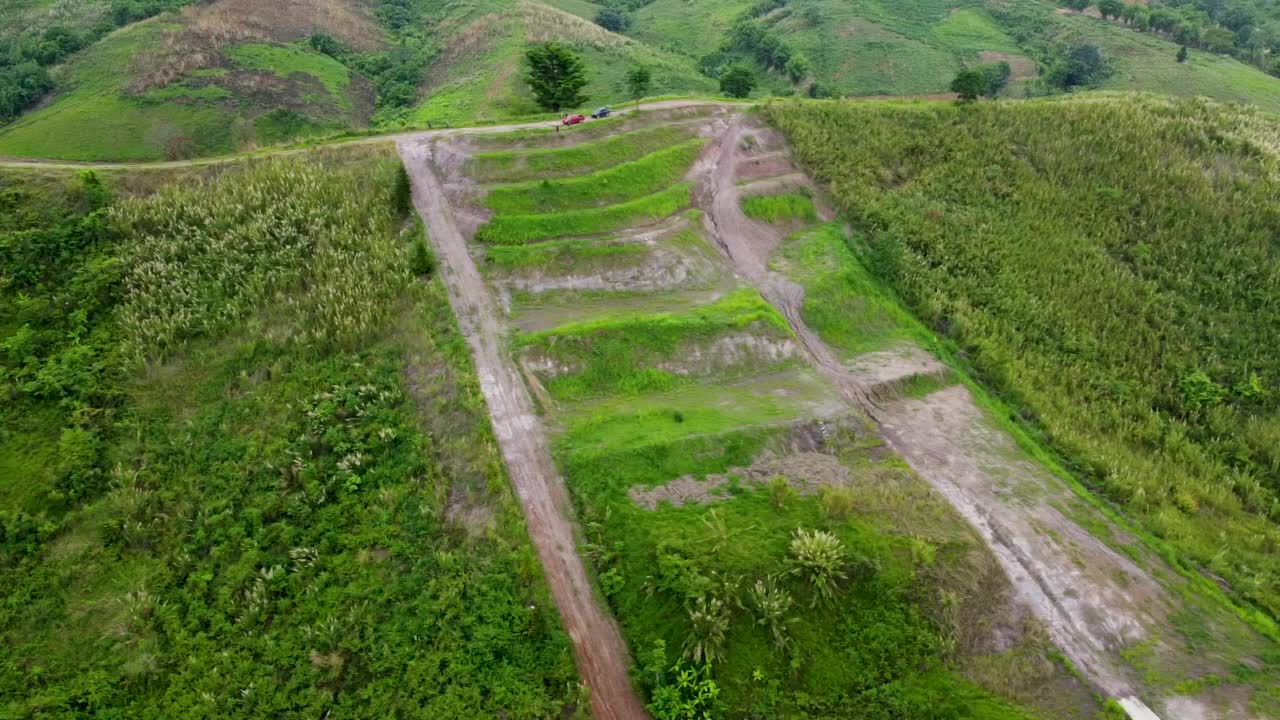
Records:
x=550, y=310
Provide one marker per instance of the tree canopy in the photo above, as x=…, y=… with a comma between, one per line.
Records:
x=556, y=76
x=737, y=82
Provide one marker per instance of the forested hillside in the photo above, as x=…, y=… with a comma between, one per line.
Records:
x=244, y=469
x=1118, y=285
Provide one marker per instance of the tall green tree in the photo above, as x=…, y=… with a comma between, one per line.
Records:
x=556, y=75
x=969, y=85
x=1110, y=8
x=737, y=82
x=638, y=79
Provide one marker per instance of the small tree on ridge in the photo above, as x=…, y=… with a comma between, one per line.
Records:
x=638, y=79
x=737, y=82
x=969, y=85
x=556, y=75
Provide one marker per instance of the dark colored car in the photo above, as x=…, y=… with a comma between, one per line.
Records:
x=572, y=119
x=601, y=112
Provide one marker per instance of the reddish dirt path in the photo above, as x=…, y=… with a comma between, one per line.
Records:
x=598, y=646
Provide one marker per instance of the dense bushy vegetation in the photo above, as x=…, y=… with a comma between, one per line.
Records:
x=395, y=73
x=1247, y=29
x=1124, y=301
x=300, y=511
x=804, y=607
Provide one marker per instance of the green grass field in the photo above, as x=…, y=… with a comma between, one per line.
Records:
x=94, y=120
x=620, y=354
x=619, y=183
x=539, y=163
x=285, y=61
x=518, y=229
x=780, y=208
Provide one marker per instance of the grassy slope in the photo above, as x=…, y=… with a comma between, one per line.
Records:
x=284, y=61
x=618, y=354
x=92, y=115
x=1088, y=300
x=93, y=120
x=479, y=78
x=619, y=183
x=1144, y=62
x=537, y=164
x=622, y=418
x=871, y=47
x=273, y=539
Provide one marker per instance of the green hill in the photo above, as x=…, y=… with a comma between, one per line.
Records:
x=231, y=75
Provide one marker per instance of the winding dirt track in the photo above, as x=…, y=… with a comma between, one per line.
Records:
x=951, y=451
x=600, y=651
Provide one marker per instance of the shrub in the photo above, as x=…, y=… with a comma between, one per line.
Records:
x=771, y=604
x=969, y=85
x=779, y=492
x=690, y=696
x=78, y=450
x=613, y=20
x=818, y=557
x=737, y=82
x=402, y=194
x=838, y=503
x=709, y=626
x=423, y=262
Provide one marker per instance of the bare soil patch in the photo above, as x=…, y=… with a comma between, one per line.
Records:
x=210, y=27
x=764, y=165
x=805, y=472
x=791, y=182
x=1021, y=66
x=885, y=372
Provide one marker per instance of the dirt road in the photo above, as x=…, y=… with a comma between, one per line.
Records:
x=748, y=244
x=398, y=137
x=1093, y=600
x=601, y=654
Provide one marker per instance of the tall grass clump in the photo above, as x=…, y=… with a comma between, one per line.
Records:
x=539, y=163
x=616, y=184
x=780, y=207
x=1109, y=266
x=517, y=229
x=203, y=257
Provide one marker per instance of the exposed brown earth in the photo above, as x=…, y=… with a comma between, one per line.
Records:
x=601, y=654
